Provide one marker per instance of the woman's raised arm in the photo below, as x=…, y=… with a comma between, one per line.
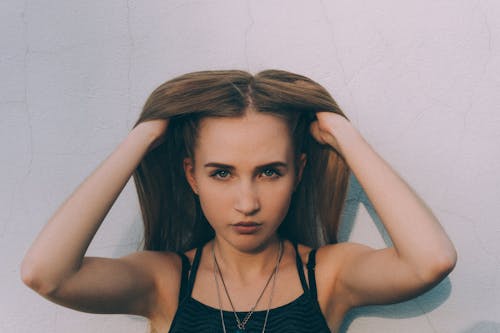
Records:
x=55, y=266
x=422, y=254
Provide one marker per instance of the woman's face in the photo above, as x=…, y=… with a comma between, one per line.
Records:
x=244, y=172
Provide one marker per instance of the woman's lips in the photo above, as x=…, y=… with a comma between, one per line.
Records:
x=246, y=227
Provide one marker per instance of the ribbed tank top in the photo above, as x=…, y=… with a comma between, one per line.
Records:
x=302, y=315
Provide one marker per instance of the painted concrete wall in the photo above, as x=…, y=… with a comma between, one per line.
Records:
x=420, y=79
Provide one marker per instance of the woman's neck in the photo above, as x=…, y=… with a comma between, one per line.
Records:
x=246, y=265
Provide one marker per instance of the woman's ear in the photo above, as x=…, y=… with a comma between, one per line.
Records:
x=188, y=164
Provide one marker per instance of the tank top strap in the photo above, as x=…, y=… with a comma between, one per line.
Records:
x=188, y=273
x=194, y=269
x=311, y=264
x=300, y=268
x=186, y=267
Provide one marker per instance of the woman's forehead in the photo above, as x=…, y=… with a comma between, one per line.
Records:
x=254, y=137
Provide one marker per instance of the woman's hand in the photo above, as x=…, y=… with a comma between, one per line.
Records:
x=325, y=128
x=155, y=130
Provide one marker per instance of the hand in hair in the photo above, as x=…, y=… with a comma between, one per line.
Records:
x=325, y=126
x=155, y=129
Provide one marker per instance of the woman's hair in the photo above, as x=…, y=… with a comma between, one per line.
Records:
x=172, y=216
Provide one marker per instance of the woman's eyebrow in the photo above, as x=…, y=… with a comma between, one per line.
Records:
x=218, y=165
x=275, y=164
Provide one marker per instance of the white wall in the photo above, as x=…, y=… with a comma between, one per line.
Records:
x=420, y=79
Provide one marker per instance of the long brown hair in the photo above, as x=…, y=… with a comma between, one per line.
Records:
x=172, y=216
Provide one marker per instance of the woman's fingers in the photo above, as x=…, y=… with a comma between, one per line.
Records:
x=156, y=128
x=316, y=132
x=322, y=131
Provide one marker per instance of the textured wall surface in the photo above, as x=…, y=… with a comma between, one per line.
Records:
x=420, y=79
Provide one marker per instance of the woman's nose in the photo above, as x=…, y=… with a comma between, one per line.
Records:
x=247, y=199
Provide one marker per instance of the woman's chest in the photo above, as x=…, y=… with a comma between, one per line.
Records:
x=298, y=316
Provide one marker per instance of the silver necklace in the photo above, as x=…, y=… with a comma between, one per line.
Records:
x=241, y=324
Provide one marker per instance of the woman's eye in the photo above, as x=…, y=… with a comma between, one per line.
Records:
x=270, y=173
x=220, y=174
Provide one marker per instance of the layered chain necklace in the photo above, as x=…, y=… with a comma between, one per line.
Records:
x=242, y=323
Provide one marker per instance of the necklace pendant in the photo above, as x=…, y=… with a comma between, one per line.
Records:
x=240, y=330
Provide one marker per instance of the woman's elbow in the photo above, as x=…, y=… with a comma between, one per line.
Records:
x=32, y=280
x=440, y=266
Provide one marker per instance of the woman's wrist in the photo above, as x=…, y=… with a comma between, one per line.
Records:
x=142, y=136
x=344, y=133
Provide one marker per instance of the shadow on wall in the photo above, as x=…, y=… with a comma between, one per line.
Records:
x=483, y=327
x=412, y=308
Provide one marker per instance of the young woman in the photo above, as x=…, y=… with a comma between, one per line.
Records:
x=241, y=181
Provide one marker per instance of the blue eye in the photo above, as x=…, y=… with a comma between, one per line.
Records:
x=271, y=173
x=220, y=173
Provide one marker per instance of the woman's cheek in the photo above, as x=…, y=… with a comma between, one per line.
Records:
x=279, y=200
x=214, y=203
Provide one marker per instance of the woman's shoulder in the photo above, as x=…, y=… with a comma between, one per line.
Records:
x=151, y=258
x=156, y=263
x=165, y=259
x=331, y=260
x=166, y=269
x=322, y=253
x=338, y=253
x=332, y=256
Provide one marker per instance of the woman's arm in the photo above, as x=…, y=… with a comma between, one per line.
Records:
x=422, y=253
x=55, y=266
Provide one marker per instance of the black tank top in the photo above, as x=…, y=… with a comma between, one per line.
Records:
x=302, y=315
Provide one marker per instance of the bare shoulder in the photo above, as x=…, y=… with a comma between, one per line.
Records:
x=332, y=296
x=331, y=258
x=334, y=255
x=161, y=265
x=165, y=268
x=325, y=256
